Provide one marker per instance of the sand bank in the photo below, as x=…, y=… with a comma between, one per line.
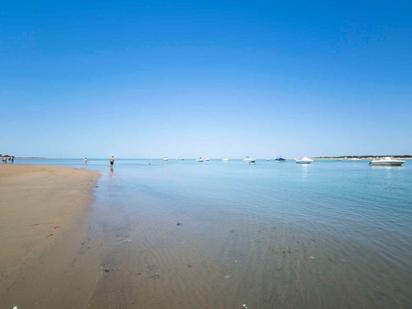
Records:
x=43, y=236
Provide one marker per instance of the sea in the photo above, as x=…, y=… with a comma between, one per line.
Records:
x=217, y=234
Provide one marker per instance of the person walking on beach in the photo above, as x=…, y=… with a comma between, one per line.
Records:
x=86, y=161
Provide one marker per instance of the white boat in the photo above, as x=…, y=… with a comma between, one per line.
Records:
x=165, y=159
x=206, y=159
x=225, y=159
x=249, y=160
x=354, y=159
x=200, y=159
x=386, y=161
x=304, y=160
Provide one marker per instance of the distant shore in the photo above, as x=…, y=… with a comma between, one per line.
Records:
x=42, y=215
x=346, y=157
x=364, y=157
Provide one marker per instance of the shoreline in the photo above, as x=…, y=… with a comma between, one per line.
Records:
x=319, y=158
x=351, y=158
x=44, y=240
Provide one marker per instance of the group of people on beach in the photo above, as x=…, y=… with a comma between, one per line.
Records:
x=7, y=159
x=10, y=159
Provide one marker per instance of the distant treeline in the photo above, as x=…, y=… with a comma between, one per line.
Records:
x=367, y=157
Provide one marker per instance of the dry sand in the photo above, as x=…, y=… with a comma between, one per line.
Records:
x=46, y=258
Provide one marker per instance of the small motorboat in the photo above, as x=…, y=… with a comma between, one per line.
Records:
x=165, y=159
x=280, y=159
x=304, y=160
x=225, y=159
x=200, y=159
x=386, y=161
x=249, y=160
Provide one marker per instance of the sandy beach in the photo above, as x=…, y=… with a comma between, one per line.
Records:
x=43, y=236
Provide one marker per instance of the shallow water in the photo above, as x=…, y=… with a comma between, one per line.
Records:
x=183, y=234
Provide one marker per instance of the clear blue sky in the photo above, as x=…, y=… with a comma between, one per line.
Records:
x=217, y=78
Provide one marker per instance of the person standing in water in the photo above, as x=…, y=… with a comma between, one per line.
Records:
x=86, y=161
x=111, y=164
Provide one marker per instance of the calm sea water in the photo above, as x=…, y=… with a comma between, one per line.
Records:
x=183, y=234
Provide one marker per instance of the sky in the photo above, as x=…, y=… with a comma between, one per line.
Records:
x=141, y=79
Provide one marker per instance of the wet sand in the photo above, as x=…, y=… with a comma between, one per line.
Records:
x=47, y=259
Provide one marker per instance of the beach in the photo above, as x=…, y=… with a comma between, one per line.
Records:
x=183, y=234
x=205, y=154
x=43, y=236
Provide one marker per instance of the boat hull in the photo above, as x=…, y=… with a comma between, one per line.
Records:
x=393, y=163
